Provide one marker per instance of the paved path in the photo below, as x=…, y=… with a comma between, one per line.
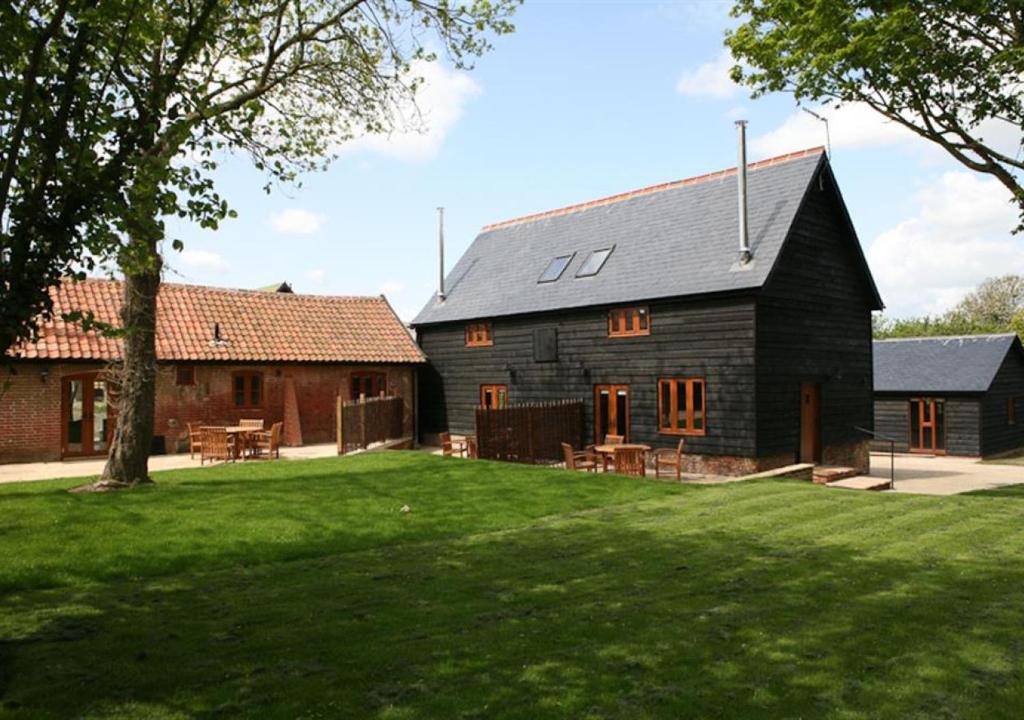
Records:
x=944, y=475
x=24, y=472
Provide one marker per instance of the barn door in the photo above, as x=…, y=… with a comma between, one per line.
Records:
x=927, y=425
x=611, y=411
x=810, y=423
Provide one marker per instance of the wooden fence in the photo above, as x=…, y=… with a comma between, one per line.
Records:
x=365, y=421
x=529, y=433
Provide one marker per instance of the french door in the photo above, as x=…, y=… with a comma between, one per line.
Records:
x=88, y=418
x=611, y=411
x=927, y=425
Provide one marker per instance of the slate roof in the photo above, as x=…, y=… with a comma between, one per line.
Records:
x=966, y=363
x=674, y=239
x=256, y=326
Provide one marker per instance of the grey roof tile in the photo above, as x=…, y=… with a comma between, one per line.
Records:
x=965, y=363
x=676, y=241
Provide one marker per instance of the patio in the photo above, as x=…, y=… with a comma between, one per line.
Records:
x=24, y=472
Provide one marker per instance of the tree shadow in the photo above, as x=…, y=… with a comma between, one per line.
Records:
x=622, y=614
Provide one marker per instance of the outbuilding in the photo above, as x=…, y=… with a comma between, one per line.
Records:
x=222, y=355
x=950, y=395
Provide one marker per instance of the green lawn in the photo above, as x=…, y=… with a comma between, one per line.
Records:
x=298, y=590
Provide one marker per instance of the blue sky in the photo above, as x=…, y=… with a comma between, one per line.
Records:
x=588, y=99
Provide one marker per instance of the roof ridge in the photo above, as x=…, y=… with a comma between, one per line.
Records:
x=919, y=338
x=244, y=291
x=650, y=189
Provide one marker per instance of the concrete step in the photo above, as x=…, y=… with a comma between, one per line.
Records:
x=830, y=473
x=861, y=482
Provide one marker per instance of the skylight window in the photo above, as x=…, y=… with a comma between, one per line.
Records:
x=555, y=268
x=593, y=264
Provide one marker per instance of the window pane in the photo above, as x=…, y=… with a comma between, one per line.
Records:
x=239, y=390
x=643, y=319
x=75, y=415
x=681, y=413
x=593, y=264
x=255, y=389
x=100, y=415
x=502, y=397
x=665, y=389
x=621, y=413
x=555, y=269
x=698, y=405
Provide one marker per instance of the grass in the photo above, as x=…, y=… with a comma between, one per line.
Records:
x=298, y=590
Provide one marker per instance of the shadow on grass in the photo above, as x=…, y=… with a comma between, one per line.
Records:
x=620, y=614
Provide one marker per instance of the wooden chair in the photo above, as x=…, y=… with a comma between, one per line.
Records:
x=614, y=439
x=255, y=423
x=579, y=460
x=268, y=441
x=630, y=461
x=452, y=448
x=216, y=445
x=668, y=458
x=195, y=441
x=471, y=449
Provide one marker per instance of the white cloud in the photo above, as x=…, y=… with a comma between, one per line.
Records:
x=856, y=125
x=203, y=260
x=295, y=221
x=710, y=79
x=852, y=125
x=960, y=235
x=317, y=277
x=390, y=287
x=421, y=128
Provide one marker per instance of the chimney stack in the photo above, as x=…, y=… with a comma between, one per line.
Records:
x=440, y=250
x=741, y=184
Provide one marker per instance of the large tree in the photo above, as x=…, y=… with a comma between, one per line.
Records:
x=950, y=71
x=283, y=81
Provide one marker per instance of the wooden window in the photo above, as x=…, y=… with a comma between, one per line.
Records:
x=370, y=384
x=493, y=396
x=629, y=322
x=478, y=334
x=682, y=408
x=1011, y=411
x=248, y=389
x=185, y=375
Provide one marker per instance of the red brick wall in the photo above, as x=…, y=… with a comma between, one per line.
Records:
x=30, y=413
x=30, y=408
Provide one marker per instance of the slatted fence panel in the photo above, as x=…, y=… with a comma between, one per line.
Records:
x=367, y=421
x=529, y=433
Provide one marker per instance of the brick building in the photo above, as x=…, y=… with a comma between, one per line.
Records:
x=223, y=355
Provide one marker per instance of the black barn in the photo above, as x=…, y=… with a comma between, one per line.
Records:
x=950, y=395
x=643, y=305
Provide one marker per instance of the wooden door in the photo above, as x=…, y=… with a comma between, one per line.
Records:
x=611, y=411
x=927, y=425
x=810, y=423
x=87, y=416
x=493, y=396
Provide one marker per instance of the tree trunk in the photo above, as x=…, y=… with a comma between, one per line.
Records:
x=128, y=462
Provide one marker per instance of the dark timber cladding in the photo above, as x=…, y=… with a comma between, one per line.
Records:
x=975, y=383
x=796, y=317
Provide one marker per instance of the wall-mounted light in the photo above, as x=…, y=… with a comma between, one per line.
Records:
x=44, y=374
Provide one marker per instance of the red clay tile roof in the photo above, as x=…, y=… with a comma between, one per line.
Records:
x=655, y=188
x=256, y=326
